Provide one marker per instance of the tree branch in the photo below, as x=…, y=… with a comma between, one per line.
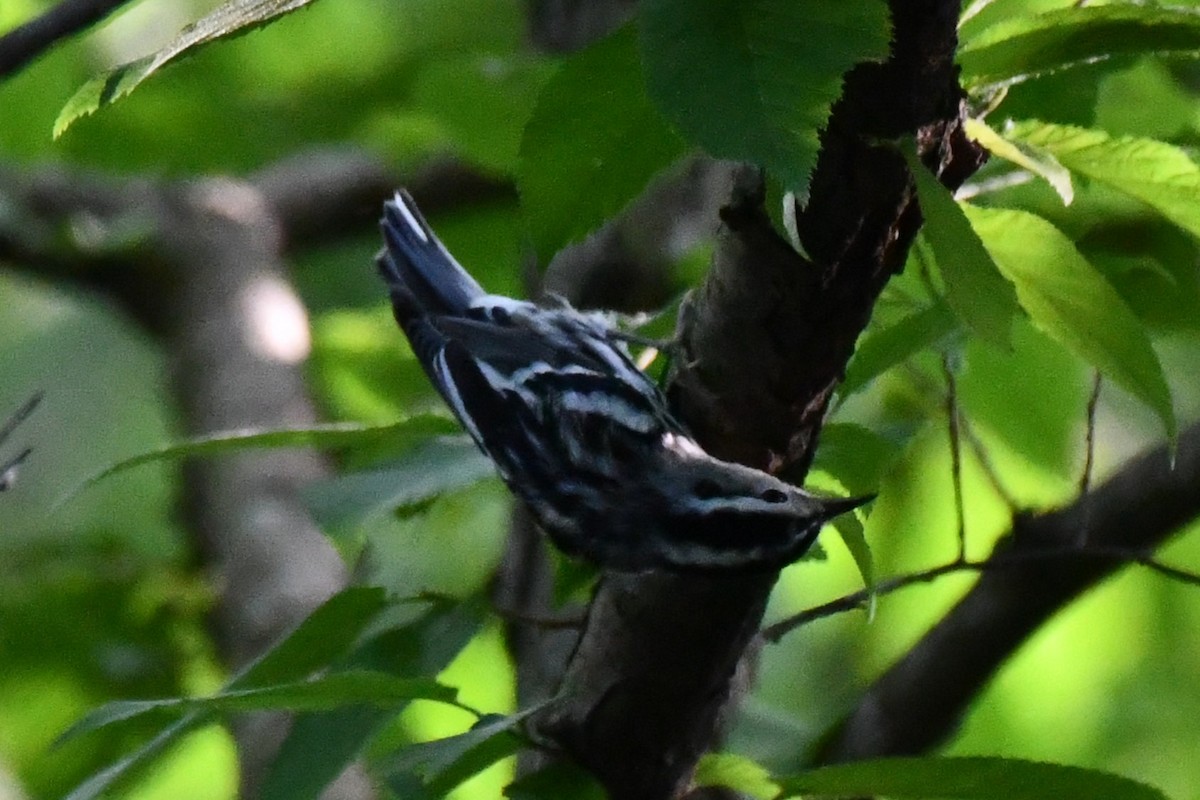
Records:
x=765, y=341
x=921, y=700
x=25, y=43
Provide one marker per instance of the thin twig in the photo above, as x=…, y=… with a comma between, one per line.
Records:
x=549, y=623
x=986, y=464
x=23, y=44
x=19, y=416
x=1089, y=460
x=1089, y=452
x=10, y=468
x=960, y=518
x=859, y=599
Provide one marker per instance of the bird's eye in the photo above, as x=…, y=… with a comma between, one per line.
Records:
x=706, y=489
x=774, y=496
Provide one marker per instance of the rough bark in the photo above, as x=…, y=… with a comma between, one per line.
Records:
x=765, y=341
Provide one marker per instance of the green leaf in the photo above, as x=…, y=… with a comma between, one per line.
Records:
x=880, y=350
x=555, y=782
x=321, y=639
x=966, y=779
x=324, y=636
x=1072, y=303
x=1162, y=176
x=328, y=436
x=855, y=455
x=441, y=465
x=975, y=289
x=1037, y=160
x=99, y=784
x=231, y=19
x=1020, y=48
x=736, y=772
x=330, y=691
x=755, y=80
x=444, y=763
x=320, y=745
x=853, y=535
x=483, y=102
x=593, y=143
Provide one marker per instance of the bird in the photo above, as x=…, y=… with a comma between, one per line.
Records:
x=577, y=432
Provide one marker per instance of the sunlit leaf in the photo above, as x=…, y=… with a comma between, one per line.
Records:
x=855, y=455
x=231, y=19
x=736, y=772
x=1072, y=303
x=975, y=289
x=755, y=80
x=319, y=746
x=1161, y=175
x=965, y=779
x=444, y=763
x=328, y=436
x=1020, y=48
x=1037, y=160
x=880, y=350
x=593, y=143
x=99, y=784
x=850, y=529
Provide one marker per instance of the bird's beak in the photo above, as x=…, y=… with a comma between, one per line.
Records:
x=836, y=506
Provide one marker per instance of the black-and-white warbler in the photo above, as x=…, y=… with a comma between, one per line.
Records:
x=577, y=431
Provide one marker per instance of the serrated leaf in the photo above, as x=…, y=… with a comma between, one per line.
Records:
x=1026, y=155
x=1161, y=175
x=754, y=80
x=968, y=778
x=328, y=436
x=975, y=289
x=231, y=19
x=880, y=350
x=593, y=143
x=442, y=465
x=319, y=746
x=1020, y=48
x=1072, y=303
x=444, y=763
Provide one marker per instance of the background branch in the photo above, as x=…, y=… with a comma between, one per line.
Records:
x=25, y=43
x=920, y=701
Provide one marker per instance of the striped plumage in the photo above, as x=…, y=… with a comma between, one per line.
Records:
x=577, y=431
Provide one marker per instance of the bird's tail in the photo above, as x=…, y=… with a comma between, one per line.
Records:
x=417, y=266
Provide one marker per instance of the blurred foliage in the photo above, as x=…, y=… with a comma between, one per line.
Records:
x=102, y=600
